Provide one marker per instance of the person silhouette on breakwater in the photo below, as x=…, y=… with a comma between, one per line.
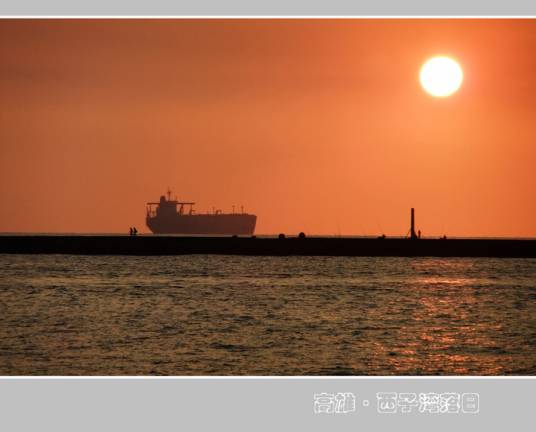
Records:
x=133, y=231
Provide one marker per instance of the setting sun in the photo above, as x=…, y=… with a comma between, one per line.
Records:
x=441, y=76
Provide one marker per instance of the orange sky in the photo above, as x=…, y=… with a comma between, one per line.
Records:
x=314, y=125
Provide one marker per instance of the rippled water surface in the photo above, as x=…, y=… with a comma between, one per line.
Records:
x=228, y=315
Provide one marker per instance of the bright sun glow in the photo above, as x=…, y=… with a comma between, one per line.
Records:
x=441, y=76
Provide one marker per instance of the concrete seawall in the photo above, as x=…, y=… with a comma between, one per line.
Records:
x=328, y=246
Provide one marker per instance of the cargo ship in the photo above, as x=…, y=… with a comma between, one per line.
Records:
x=169, y=216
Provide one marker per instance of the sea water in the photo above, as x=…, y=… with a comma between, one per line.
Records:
x=235, y=315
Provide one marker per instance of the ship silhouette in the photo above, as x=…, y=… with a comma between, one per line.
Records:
x=169, y=216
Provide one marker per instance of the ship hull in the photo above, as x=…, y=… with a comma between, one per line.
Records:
x=217, y=224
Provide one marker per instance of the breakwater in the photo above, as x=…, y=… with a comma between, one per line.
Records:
x=328, y=246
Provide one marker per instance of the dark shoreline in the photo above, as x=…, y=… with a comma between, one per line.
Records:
x=268, y=246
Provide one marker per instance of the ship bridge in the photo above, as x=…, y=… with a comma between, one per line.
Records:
x=168, y=207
